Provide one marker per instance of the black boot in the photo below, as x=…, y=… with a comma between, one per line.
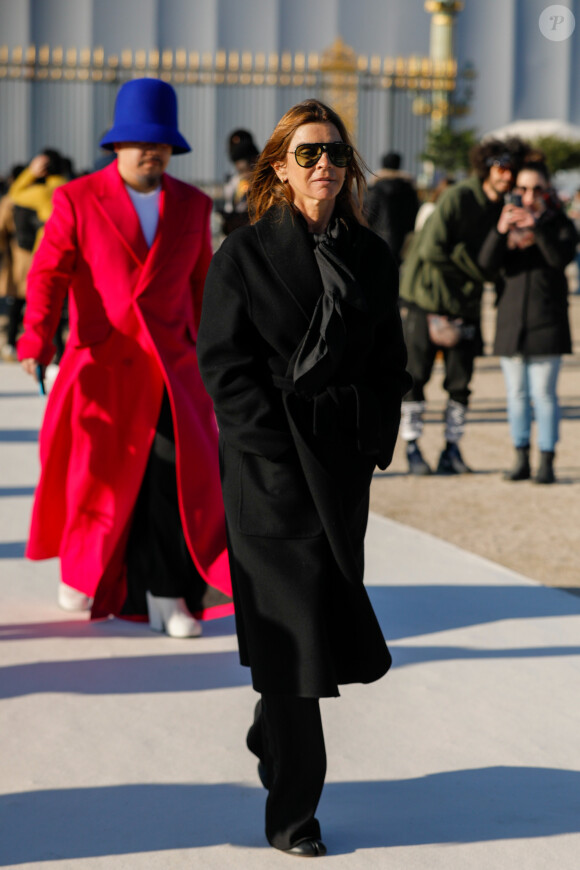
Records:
x=451, y=461
x=546, y=470
x=417, y=464
x=521, y=469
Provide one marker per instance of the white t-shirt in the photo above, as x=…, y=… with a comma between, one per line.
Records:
x=147, y=208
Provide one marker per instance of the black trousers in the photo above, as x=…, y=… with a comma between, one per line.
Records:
x=15, y=309
x=421, y=351
x=158, y=559
x=287, y=737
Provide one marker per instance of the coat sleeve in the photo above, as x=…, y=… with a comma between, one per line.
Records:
x=493, y=251
x=386, y=374
x=557, y=241
x=232, y=360
x=48, y=282
x=435, y=245
x=26, y=192
x=441, y=243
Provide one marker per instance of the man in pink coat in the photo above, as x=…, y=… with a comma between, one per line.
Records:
x=129, y=495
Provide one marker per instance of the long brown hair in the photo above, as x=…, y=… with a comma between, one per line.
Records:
x=267, y=190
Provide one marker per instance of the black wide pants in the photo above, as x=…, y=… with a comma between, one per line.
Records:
x=158, y=559
x=287, y=737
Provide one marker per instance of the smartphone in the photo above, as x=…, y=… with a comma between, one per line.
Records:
x=513, y=199
x=40, y=379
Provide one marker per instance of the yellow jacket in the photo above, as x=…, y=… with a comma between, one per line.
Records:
x=25, y=191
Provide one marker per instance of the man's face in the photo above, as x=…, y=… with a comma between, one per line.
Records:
x=141, y=164
x=499, y=181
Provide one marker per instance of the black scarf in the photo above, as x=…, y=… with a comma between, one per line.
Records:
x=322, y=348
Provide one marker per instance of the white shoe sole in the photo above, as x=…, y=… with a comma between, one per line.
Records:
x=170, y=615
x=72, y=600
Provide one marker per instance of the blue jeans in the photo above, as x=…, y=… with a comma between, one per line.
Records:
x=532, y=380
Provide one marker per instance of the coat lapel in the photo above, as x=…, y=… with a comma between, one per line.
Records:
x=169, y=230
x=288, y=249
x=115, y=204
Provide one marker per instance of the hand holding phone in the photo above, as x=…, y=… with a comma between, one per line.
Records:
x=513, y=199
x=40, y=379
x=511, y=213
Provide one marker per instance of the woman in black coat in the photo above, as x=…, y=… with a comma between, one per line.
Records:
x=301, y=350
x=533, y=243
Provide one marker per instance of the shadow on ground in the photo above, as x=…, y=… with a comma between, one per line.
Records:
x=403, y=611
x=78, y=625
x=462, y=806
x=410, y=611
x=125, y=676
x=16, y=491
x=17, y=436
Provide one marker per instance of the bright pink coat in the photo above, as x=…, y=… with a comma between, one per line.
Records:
x=134, y=314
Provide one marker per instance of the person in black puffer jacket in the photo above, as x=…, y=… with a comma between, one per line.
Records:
x=532, y=244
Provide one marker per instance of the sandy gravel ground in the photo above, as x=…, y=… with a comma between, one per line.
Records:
x=532, y=529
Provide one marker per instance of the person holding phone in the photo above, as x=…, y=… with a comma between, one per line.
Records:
x=532, y=244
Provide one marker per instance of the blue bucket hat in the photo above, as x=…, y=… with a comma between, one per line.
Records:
x=145, y=111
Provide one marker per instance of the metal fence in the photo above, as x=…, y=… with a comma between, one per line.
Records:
x=65, y=99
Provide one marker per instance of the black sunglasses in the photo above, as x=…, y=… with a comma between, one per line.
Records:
x=309, y=154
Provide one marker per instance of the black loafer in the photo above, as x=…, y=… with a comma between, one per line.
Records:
x=307, y=849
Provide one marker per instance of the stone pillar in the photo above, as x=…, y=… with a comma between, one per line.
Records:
x=441, y=50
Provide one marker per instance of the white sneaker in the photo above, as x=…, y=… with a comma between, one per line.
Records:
x=71, y=599
x=172, y=616
x=50, y=375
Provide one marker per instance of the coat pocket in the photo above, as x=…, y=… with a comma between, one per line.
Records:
x=275, y=501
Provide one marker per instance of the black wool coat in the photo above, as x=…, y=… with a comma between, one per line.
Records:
x=532, y=307
x=296, y=469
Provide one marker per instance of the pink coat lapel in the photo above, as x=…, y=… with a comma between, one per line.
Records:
x=169, y=231
x=115, y=204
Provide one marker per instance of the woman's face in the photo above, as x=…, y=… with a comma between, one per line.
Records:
x=531, y=185
x=320, y=183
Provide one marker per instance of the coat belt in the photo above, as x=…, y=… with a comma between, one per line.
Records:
x=339, y=409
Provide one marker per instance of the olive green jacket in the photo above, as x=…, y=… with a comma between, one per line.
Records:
x=440, y=273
